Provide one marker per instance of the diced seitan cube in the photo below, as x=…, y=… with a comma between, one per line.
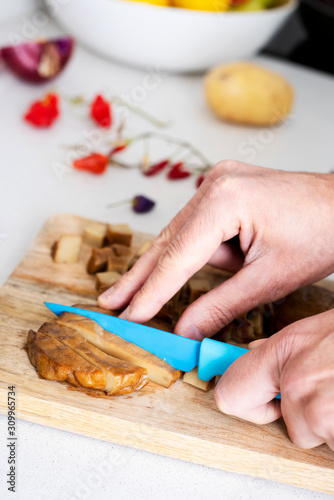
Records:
x=99, y=259
x=192, y=379
x=67, y=249
x=119, y=233
x=106, y=280
x=122, y=250
x=118, y=264
x=95, y=234
x=158, y=370
x=197, y=287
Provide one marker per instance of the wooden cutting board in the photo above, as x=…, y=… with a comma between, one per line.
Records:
x=181, y=421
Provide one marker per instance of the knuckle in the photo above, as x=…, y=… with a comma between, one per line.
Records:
x=293, y=385
x=226, y=166
x=319, y=414
x=226, y=185
x=229, y=165
x=163, y=238
x=170, y=259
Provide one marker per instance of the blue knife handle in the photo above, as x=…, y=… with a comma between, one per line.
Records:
x=215, y=357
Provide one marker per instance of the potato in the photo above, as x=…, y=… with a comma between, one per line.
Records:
x=67, y=249
x=244, y=92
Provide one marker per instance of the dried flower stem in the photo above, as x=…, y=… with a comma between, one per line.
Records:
x=140, y=112
x=179, y=142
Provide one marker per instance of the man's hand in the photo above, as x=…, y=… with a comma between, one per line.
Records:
x=284, y=224
x=299, y=362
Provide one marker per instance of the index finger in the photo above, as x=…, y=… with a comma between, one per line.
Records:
x=212, y=222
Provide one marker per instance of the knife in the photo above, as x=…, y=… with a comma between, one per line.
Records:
x=211, y=356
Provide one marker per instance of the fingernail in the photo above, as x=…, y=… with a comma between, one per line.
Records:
x=105, y=295
x=125, y=313
x=192, y=332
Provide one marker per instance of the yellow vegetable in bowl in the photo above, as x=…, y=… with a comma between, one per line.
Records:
x=161, y=3
x=209, y=5
x=244, y=92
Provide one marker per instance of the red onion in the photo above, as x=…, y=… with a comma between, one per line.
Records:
x=38, y=61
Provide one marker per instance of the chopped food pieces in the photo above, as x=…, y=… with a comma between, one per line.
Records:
x=192, y=379
x=119, y=233
x=122, y=250
x=118, y=264
x=106, y=280
x=67, y=249
x=158, y=370
x=95, y=234
x=99, y=259
x=248, y=327
x=198, y=287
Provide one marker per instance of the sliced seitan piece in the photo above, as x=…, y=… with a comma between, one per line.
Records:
x=54, y=361
x=158, y=370
x=192, y=379
x=121, y=377
x=91, y=307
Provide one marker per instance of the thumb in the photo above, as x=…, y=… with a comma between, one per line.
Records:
x=248, y=387
x=251, y=286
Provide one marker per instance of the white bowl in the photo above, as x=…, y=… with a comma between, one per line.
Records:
x=176, y=40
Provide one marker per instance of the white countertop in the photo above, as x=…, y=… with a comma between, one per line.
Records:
x=54, y=464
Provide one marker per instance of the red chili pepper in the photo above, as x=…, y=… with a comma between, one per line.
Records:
x=94, y=163
x=43, y=113
x=118, y=149
x=199, y=180
x=176, y=172
x=100, y=111
x=156, y=168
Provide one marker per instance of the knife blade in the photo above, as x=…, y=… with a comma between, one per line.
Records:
x=211, y=356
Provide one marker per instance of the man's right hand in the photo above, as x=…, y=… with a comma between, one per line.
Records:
x=298, y=361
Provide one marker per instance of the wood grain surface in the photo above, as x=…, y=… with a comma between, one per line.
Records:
x=181, y=421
